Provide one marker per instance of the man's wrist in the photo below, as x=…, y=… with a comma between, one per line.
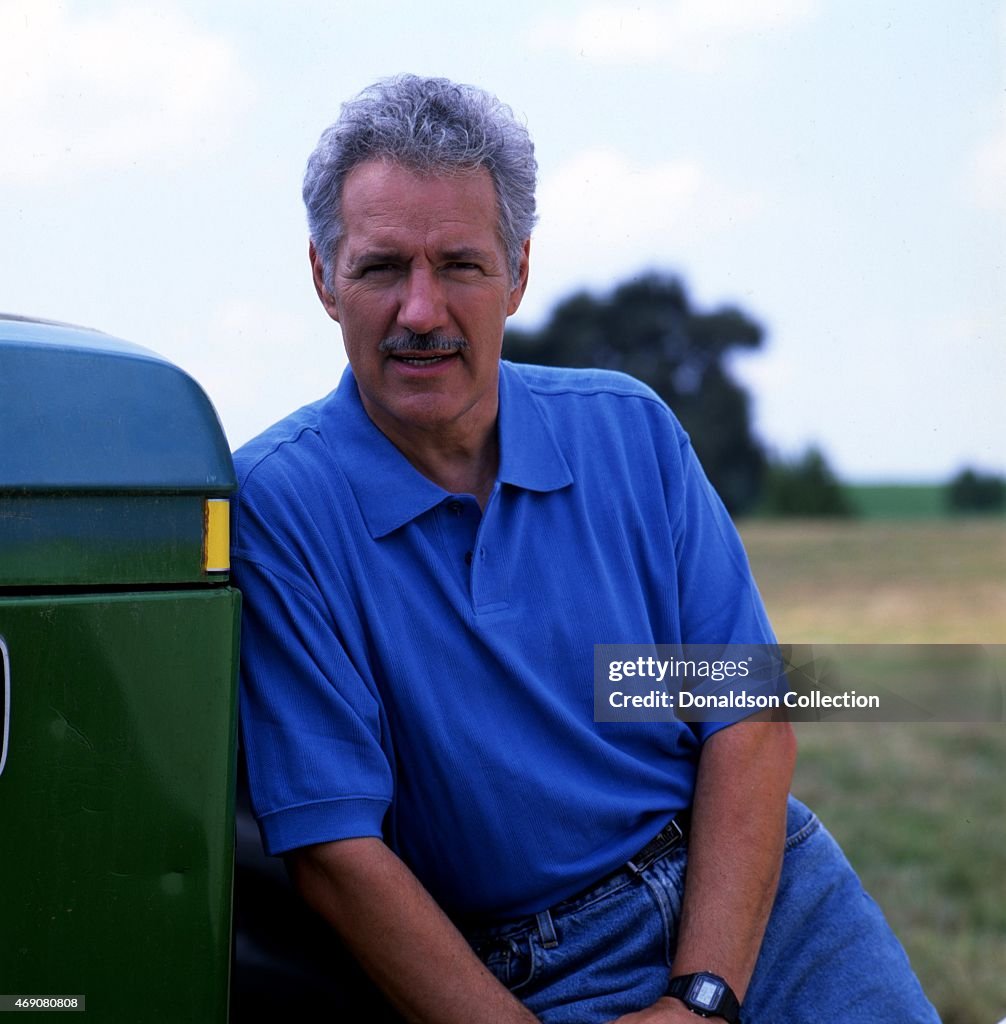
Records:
x=707, y=995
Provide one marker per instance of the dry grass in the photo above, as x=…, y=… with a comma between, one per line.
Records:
x=882, y=582
x=919, y=808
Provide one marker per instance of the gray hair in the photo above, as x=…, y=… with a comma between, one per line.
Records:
x=429, y=125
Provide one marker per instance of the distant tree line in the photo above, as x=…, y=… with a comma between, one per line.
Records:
x=971, y=491
x=804, y=486
x=648, y=327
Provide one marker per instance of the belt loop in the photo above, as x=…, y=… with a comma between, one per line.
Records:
x=546, y=929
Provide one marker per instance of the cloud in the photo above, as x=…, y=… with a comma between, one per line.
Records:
x=691, y=34
x=599, y=197
x=896, y=394
x=93, y=92
x=603, y=216
x=988, y=173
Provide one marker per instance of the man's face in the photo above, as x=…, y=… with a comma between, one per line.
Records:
x=422, y=256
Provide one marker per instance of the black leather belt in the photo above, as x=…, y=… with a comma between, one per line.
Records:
x=670, y=836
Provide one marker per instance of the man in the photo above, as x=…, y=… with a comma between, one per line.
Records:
x=427, y=557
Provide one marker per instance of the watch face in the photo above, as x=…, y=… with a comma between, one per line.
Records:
x=706, y=992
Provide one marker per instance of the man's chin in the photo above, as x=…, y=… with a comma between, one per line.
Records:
x=422, y=413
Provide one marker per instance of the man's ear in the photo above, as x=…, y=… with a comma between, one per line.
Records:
x=517, y=292
x=318, y=273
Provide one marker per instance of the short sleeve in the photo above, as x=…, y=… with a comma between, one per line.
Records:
x=312, y=726
x=718, y=598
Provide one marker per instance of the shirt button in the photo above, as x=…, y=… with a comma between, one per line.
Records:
x=468, y=558
x=455, y=507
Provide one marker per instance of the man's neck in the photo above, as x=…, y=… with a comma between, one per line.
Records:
x=461, y=465
x=460, y=471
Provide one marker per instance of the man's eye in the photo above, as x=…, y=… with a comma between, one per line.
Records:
x=378, y=268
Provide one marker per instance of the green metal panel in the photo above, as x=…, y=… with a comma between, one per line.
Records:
x=116, y=801
x=107, y=453
x=100, y=539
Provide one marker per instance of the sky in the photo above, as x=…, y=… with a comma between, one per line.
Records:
x=835, y=168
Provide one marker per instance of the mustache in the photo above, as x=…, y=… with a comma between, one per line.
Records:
x=432, y=342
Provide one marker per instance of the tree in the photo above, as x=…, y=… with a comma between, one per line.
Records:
x=971, y=491
x=804, y=487
x=648, y=328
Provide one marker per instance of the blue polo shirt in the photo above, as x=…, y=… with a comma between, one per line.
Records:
x=417, y=669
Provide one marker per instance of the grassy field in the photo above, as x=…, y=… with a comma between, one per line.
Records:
x=898, y=501
x=920, y=809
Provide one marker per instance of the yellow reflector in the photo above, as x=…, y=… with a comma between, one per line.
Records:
x=216, y=535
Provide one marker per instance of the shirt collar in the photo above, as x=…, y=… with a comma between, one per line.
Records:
x=391, y=491
x=529, y=454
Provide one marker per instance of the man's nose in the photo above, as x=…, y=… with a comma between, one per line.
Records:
x=423, y=306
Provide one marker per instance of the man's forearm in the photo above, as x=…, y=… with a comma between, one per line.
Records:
x=400, y=935
x=735, y=849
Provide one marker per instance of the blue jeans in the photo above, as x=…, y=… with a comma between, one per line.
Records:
x=828, y=954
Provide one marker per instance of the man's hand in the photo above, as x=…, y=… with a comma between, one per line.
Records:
x=664, y=1011
x=401, y=937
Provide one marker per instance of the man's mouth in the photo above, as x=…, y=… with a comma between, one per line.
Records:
x=422, y=350
x=423, y=360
